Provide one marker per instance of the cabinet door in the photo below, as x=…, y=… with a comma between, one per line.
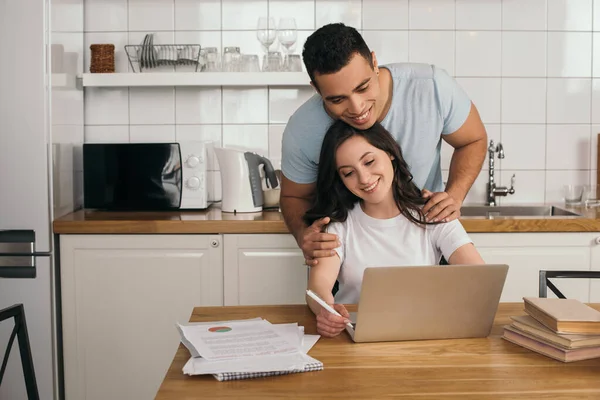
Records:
x=121, y=298
x=264, y=269
x=528, y=253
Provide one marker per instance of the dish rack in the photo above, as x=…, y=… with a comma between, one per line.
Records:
x=148, y=55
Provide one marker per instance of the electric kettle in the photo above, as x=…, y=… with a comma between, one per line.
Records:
x=241, y=181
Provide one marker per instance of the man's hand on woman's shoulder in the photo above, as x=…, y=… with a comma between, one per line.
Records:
x=441, y=206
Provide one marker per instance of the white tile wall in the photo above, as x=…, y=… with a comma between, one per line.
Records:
x=532, y=68
x=346, y=11
x=198, y=15
x=385, y=14
x=102, y=16
x=433, y=45
x=479, y=15
x=431, y=14
x=524, y=54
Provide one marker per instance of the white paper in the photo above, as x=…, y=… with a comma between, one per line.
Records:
x=230, y=340
x=245, y=346
x=284, y=362
x=309, y=341
x=292, y=332
x=190, y=346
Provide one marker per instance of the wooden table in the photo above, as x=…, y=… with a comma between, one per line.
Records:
x=437, y=369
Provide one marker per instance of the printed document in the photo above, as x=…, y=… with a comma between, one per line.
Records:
x=237, y=339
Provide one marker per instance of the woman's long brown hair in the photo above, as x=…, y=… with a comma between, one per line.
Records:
x=333, y=199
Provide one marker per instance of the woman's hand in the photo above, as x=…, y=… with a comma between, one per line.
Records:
x=330, y=325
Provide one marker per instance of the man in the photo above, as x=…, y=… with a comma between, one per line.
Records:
x=417, y=103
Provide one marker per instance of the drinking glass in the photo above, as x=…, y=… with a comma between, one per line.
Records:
x=212, y=59
x=287, y=33
x=250, y=63
x=573, y=194
x=266, y=32
x=294, y=63
x=272, y=61
x=231, y=59
x=591, y=196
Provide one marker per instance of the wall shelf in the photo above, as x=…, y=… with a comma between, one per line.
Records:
x=238, y=79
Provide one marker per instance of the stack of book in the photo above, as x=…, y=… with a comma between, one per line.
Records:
x=564, y=329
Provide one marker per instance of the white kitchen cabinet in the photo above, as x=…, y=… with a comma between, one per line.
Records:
x=528, y=253
x=121, y=298
x=263, y=269
x=269, y=269
x=122, y=294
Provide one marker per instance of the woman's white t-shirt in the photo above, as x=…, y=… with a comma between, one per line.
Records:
x=371, y=242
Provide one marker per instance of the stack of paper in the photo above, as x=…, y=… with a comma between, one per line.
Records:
x=249, y=348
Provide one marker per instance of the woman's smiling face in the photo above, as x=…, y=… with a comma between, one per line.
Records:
x=365, y=170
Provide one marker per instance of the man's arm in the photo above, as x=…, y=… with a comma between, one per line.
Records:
x=470, y=146
x=294, y=202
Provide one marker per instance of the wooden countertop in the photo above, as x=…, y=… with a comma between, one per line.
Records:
x=207, y=221
x=480, y=368
x=213, y=221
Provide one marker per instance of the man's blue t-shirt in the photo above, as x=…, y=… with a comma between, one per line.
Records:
x=426, y=103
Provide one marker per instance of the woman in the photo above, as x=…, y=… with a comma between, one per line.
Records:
x=365, y=187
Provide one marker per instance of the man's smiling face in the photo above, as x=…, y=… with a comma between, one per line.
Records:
x=352, y=94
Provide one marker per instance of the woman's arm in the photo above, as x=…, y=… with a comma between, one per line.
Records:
x=466, y=254
x=321, y=279
x=454, y=243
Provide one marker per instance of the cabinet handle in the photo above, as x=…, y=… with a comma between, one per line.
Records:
x=215, y=243
x=597, y=240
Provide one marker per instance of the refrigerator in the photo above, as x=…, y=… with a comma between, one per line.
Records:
x=27, y=274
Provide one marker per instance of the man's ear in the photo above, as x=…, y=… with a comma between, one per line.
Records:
x=313, y=84
x=375, y=65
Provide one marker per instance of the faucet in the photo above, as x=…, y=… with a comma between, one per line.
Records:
x=492, y=189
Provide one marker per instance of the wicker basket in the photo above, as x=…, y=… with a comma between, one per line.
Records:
x=103, y=58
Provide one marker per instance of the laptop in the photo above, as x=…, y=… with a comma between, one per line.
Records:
x=427, y=302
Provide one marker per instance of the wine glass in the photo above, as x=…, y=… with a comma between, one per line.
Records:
x=287, y=34
x=266, y=32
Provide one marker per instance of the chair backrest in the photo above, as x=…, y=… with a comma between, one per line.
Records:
x=20, y=331
x=546, y=275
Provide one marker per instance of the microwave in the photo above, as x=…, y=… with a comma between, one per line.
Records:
x=145, y=176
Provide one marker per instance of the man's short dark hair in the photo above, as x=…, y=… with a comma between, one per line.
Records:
x=330, y=48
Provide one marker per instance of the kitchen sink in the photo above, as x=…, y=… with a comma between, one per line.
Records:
x=515, y=211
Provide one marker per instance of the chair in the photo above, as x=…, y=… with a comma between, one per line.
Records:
x=20, y=330
x=546, y=275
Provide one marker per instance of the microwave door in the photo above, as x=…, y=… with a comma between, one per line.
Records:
x=17, y=254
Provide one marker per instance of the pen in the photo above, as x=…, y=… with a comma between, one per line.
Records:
x=326, y=306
